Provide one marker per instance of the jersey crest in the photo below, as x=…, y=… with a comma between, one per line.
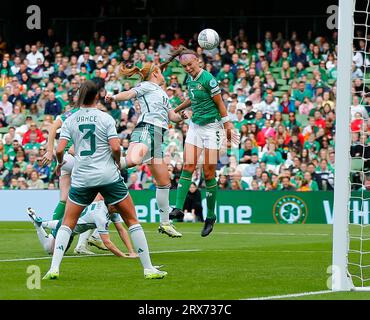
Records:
x=213, y=83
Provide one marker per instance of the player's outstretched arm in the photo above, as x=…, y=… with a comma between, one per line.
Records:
x=60, y=153
x=126, y=240
x=111, y=246
x=177, y=117
x=122, y=96
x=231, y=133
x=185, y=104
x=116, y=150
x=48, y=157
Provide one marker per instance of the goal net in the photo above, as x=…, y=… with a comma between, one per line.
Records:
x=351, y=229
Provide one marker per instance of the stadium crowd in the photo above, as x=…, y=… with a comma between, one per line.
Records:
x=280, y=94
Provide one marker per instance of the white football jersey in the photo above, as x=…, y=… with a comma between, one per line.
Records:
x=96, y=216
x=154, y=104
x=90, y=130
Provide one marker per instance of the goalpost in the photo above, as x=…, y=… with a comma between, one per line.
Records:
x=351, y=237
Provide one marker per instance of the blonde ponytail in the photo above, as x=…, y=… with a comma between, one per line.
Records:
x=144, y=72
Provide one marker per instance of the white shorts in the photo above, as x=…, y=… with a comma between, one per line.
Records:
x=210, y=136
x=68, y=166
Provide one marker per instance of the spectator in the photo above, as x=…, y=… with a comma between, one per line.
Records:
x=6, y=105
x=311, y=184
x=129, y=40
x=298, y=56
x=86, y=60
x=271, y=156
x=193, y=203
x=268, y=106
x=33, y=129
x=113, y=86
x=16, y=118
x=12, y=135
x=251, y=168
x=177, y=40
x=223, y=182
x=268, y=131
x=226, y=73
x=35, y=182
x=239, y=121
x=357, y=107
x=72, y=92
x=33, y=56
x=247, y=152
x=306, y=107
x=3, y=122
x=301, y=93
x=292, y=122
x=287, y=105
x=16, y=96
x=14, y=173
x=53, y=106
x=42, y=170
x=319, y=121
x=32, y=145
x=134, y=184
x=286, y=184
x=164, y=48
x=324, y=176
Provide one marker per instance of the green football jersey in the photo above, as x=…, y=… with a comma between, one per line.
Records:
x=67, y=114
x=201, y=91
x=64, y=117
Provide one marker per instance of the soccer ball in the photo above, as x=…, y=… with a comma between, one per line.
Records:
x=208, y=39
x=188, y=217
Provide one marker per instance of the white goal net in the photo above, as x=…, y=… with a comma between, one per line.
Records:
x=351, y=233
x=359, y=228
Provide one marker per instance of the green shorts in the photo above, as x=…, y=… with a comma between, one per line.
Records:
x=152, y=137
x=113, y=193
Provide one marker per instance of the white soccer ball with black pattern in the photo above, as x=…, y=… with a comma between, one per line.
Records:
x=208, y=39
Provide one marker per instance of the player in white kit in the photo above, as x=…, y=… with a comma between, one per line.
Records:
x=95, y=216
x=96, y=170
x=147, y=137
x=91, y=236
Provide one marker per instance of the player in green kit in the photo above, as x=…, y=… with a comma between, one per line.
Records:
x=206, y=132
x=96, y=170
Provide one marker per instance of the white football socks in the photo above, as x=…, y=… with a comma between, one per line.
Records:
x=96, y=234
x=45, y=240
x=52, y=224
x=82, y=239
x=61, y=242
x=140, y=244
x=163, y=202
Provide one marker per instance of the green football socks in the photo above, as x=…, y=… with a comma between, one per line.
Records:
x=183, y=188
x=211, y=195
x=59, y=210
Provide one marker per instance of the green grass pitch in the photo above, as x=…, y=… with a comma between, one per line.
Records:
x=234, y=262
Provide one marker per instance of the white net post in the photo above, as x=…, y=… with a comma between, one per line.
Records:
x=340, y=279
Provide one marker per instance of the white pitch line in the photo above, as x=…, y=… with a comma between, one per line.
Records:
x=174, y=251
x=49, y=257
x=293, y=295
x=95, y=255
x=224, y=233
